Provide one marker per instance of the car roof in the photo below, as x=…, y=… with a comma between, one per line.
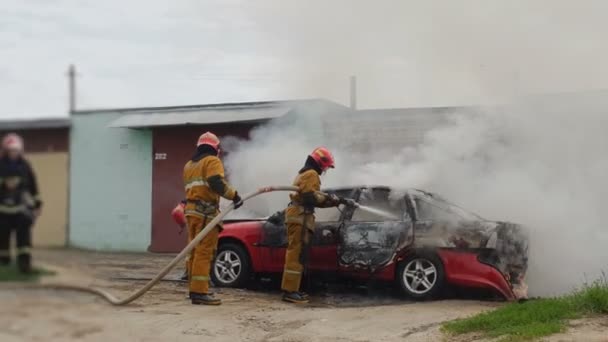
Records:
x=410, y=191
x=375, y=187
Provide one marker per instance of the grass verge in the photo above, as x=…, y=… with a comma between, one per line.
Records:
x=535, y=318
x=11, y=273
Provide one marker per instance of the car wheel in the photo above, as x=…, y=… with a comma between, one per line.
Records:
x=231, y=267
x=421, y=275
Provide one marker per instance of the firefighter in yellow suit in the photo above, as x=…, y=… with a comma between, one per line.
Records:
x=204, y=183
x=300, y=220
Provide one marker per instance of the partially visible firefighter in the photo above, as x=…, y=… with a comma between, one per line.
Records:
x=300, y=220
x=20, y=202
x=204, y=183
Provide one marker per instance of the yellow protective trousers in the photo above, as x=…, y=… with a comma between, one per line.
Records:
x=199, y=263
x=298, y=238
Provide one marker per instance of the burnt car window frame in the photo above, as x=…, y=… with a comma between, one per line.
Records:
x=439, y=203
x=345, y=212
x=404, y=204
x=406, y=221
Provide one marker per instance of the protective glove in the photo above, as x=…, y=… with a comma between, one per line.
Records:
x=237, y=200
x=334, y=200
x=348, y=202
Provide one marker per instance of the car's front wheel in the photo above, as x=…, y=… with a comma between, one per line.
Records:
x=421, y=275
x=231, y=267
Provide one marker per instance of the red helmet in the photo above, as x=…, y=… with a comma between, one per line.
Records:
x=12, y=141
x=209, y=139
x=323, y=157
x=178, y=214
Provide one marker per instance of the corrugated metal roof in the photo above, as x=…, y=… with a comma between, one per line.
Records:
x=228, y=105
x=34, y=124
x=203, y=115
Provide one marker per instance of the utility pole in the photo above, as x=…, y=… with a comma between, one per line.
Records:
x=353, y=92
x=72, y=87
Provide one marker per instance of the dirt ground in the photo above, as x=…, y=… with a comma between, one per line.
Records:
x=165, y=314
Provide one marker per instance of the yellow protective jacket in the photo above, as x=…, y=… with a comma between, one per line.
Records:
x=204, y=184
x=309, y=196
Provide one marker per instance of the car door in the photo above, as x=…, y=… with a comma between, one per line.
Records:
x=323, y=251
x=369, y=238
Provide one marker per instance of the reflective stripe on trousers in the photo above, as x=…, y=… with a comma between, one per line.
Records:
x=199, y=263
x=23, y=250
x=292, y=272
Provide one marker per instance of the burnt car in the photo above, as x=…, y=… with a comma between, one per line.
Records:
x=413, y=238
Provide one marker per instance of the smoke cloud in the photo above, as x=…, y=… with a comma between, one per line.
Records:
x=540, y=161
x=427, y=53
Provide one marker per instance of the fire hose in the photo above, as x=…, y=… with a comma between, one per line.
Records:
x=135, y=295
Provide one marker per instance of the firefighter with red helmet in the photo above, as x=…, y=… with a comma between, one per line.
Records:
x=204, y=183
x=300, y=220
x=19, y=202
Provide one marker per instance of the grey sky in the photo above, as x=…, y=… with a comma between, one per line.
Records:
x=405, y=53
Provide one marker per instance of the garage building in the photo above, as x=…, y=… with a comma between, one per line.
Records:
x=127, y=164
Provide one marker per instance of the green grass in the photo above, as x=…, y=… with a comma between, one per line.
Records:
x=11, y=273
x=535, y=318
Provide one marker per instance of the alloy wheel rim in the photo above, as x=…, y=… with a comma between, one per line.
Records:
x=419, y=276
x=227, y=266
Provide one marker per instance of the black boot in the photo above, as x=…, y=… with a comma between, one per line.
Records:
x=24, y=263
x=5, y=261
x=295, y=297
x=204, y=299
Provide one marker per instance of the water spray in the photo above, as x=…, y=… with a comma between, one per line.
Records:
x=375, y=211
x=378, y=212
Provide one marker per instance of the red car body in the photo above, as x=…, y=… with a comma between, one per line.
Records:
x=454, y=250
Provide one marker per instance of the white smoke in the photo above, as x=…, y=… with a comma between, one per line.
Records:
x=417, y=53
x=272, y=156
x=541, y=163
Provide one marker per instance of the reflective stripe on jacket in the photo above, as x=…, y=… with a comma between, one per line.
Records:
x=18, y=186
x=309, y=195
x=204, y=183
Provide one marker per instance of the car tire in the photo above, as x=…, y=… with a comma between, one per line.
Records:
x=231, y=266
x=421, y=276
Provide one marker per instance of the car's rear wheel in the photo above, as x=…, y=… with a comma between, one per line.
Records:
x=231, y=267
x=421, y=275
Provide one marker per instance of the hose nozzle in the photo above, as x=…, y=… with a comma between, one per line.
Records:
x=350, y=203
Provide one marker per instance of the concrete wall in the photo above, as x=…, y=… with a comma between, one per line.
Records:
x=110, y=184
x=52, y=175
